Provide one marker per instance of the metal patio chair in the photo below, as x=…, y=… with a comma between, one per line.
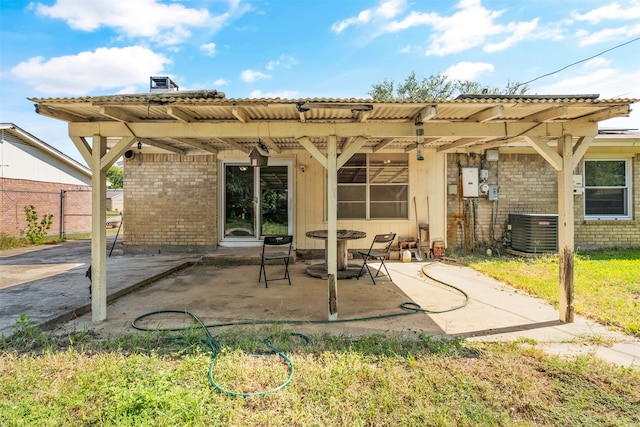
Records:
x=272, y=250
x=380, y=250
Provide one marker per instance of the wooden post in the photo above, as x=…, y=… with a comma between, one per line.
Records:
x=332, y=221
x=98, y=231
x=566, y=229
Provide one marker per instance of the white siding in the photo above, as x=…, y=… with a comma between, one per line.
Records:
x=21, y=160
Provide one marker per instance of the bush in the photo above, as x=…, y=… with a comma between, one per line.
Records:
x=36, y=230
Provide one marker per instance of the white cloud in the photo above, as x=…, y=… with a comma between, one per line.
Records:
x=609, y=34
x=412, y=20
x=160, y=22
x=467, y=70
x=596, y=63
x=285, y=94
x=221, y=82
x=519, y=31
x=102, y=69
x=209, y=49
x=251, y=76
x=471, y=26
x=285, y=61
x=611, y=11
x=607, y=82
x=384, y=11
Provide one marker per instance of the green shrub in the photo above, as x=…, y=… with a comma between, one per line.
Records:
x=36, y=230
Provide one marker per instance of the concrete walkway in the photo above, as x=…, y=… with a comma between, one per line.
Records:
x=48, y=284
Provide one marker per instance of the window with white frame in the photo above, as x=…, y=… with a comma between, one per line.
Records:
x=374, y=186
x=607, y=189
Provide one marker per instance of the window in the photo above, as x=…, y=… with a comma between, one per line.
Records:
x=607, y=188
x=374, y=186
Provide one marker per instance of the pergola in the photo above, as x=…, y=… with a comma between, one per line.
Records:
x=560, y=128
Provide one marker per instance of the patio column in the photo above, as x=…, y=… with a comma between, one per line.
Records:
x=332, y=226
x=98, y=230
x=564, y=161
x=566, y=228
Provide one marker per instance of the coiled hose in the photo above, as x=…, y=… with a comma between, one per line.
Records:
x=408, y=307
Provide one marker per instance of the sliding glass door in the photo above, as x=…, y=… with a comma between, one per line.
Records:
x=256, y=201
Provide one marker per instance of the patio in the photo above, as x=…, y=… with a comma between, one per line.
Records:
x=48, y=284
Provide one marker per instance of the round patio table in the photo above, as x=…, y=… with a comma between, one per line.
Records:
x=345, y=270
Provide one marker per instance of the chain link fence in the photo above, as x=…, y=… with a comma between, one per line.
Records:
x=71, y=210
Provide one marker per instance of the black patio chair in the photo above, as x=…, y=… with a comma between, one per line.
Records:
x=380, y=250
x=272, y=250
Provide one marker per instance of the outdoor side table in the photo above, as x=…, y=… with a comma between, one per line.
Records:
x=345, y=270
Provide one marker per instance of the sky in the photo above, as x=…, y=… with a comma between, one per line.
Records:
x=309, y=49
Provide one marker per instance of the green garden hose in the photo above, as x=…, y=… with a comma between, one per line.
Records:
x=409, y=308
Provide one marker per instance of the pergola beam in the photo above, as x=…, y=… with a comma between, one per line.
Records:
x=550, y=114
x=163, y=146
x=345, y=130
x=382, y=144
x=240, y=114
x=116, y=152
x=197, y=144
x=118, y=114
x=541, y=146
x=179, y=114
x=271, y=145
x=426, y=114
x=459, y=143
x=488, y=114
x=58, y=114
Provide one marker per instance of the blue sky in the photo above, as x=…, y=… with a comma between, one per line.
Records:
x=305, y=49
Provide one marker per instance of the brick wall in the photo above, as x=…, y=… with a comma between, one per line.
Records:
x=527, y=184
x=15, y=194
x=611, y=233
x=170, y=203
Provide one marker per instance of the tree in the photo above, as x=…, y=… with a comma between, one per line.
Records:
x=437, y=86
x=115, y=177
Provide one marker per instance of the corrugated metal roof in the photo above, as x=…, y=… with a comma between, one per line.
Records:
x=189, y=108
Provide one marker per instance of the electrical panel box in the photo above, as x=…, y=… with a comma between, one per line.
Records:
x=493, y=192
x=577, y=184
x=469, y=182
x=492, y=155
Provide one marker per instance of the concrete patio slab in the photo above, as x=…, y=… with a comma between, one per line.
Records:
x=223, y=287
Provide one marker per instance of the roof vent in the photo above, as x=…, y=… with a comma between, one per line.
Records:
x=162, y=84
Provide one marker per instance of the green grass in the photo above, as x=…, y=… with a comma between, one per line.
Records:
x=8, y=241
x=606, y=283
x=146, y=379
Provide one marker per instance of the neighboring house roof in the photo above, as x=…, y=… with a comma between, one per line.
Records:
x=618, y=137
x=115, y=194
x=191, y=122
x=23, y=156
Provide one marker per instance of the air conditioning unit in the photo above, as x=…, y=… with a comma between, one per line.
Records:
x=534, y=233
x=162, y=84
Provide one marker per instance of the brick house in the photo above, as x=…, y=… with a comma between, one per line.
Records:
x=35, y=173
x=191, y=184
x=606, y=206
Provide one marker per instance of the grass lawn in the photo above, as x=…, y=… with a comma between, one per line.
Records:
x=606, y=283
x=149, y=380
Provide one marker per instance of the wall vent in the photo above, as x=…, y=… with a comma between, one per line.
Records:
x=534, y=233
x=162, y=84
